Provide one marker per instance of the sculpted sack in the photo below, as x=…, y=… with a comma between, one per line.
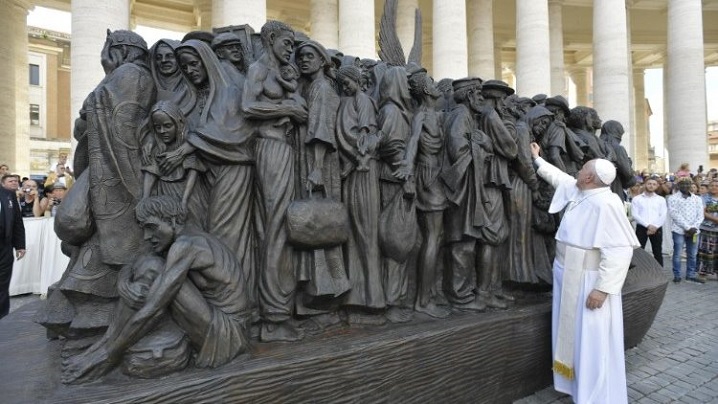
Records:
x=316, y=223
x=398, y=228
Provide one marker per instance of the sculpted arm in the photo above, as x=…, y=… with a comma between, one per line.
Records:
x=406, y=166
x=169, y=282
x=253, y=105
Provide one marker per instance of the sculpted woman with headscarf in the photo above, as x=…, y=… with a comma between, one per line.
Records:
x=171, y=85
x=356, y=130
x=98, y=216
x=543, y=224
x=274, y=113
x=394, y=122
x=220, y=138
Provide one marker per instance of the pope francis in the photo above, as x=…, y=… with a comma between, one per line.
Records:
x=594, y=246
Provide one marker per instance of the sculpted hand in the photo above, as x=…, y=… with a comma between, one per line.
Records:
x=535, y=149
x=133, y=294
x=19, y=254
x=404, y=171
x=168, y=161
x=595, y=299
x=300, y=113
x=315, y=180
x=409, y=189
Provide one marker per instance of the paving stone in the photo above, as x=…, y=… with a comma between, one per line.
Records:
x=634, y=394
x=661, y=398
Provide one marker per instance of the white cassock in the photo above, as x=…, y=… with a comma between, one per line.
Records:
x=595, y=243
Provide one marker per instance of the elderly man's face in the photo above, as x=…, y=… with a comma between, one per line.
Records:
x=586, y=175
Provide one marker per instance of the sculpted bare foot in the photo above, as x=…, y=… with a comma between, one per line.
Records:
x=501, y=294
x=86, y=367
x=397, y=314
x=272, y=332
x=475, y=305
x=492, y=301
x=355, y=318
x=433, y=310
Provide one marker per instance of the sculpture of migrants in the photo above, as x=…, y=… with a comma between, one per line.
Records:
x=223, y=206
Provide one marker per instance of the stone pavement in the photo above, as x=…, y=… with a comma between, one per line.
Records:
x=677, y=361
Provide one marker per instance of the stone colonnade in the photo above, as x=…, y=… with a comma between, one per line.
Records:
x=14, y=101
x=463, y=43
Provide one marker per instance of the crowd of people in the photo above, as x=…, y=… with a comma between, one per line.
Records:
x=685, y=204
x=39, y=198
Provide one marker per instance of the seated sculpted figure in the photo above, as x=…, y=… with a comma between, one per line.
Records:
x=201, y=287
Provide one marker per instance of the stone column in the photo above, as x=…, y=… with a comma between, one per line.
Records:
x=405, y=21
x=558, y=75
x=90, y=21
x=14, y=103
x=204, y=12
x=218, y=13
x=509, y=76
x=357, y=35
x=481, y=38
x=325, y=23
x=450, y=40
x=579, y=77
x=611, y=86
x=22, y=100
x=533, y=49
x=498, y=59
x=641, y=140
x=686, y=88
x=233, y=12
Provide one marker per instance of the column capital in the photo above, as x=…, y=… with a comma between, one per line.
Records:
x=23, y=4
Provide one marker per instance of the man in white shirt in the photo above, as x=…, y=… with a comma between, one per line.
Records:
x=594, y=247
x=686, y=211
x=649, y=211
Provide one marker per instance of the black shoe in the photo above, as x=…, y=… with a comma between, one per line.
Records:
x=676, y=279
x=696, y=280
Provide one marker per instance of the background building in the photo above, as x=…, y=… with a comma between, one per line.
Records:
x=593, y=51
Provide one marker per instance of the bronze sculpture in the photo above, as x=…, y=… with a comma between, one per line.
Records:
x=422, y=171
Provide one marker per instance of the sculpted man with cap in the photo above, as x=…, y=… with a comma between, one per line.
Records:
x=232, y=55
x=594, y=247
x=467, y=151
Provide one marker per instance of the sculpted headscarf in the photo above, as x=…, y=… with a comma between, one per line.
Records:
x=219, y=132
x=535, y=114
x=172, y=87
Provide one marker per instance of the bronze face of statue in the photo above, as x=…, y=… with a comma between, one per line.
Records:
x=193, y=67
x=165, y=60
x=309, y=60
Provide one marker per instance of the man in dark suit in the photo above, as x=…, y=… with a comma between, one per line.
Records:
x=12, y=236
